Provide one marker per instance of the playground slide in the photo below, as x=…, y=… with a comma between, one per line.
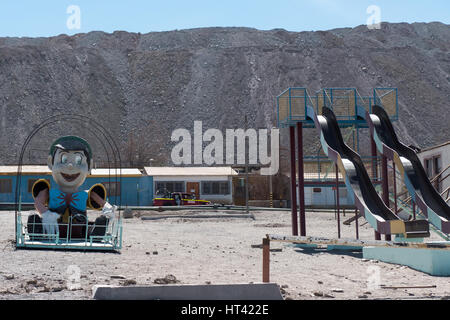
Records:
x=419, y=186
x=358, y=182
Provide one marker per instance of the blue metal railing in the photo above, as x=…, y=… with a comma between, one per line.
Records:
x=343, y=101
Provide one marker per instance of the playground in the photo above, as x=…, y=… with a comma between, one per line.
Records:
x=315, y=254
x=212, y=251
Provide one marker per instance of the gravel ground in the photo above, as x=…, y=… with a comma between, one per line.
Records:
x=210, y=250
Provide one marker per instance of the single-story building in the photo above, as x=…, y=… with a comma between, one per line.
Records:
x=435, y=160
x=134, y=187
x=320, y=191
x=207, y=183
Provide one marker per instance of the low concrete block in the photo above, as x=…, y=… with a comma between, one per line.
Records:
x=435, y=262
x=256, y=291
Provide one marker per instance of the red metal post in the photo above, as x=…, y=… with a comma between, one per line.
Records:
x=293, y=182
x=301, y=180
x=266, y=260
x=374, y=173
x=385, y=185
x=337, y=202
x=374, y=160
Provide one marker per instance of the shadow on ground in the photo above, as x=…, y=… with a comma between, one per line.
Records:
x=316, y=251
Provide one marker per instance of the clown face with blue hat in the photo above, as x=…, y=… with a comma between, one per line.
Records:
x=63, y=209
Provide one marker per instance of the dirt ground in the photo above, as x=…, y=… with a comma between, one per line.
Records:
x=211, y=250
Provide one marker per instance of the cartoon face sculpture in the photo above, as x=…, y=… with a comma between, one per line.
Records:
x=70, y=160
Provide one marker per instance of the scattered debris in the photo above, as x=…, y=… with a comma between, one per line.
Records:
x=408, y=287
x=9, y=276
x=117, y=277
x=166, y=280
x=57, y=289
x=128, y=282
x=318, y=294
x=337, y=290
x=363, y=296
x=128, y=213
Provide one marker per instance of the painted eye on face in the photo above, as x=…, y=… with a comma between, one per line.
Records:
x=64, y=158
x=78, y=160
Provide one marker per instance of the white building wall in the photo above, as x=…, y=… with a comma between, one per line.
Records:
x=326, y=197
x=444, y=152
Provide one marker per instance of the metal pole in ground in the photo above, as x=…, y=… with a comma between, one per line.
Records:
x=266, y=260
x=246, y=171
x=374, y=172
x=293, y=181
x=337, y=202
x=301, y=180
x=356, y=223
x=246, y=188
x=385, y=185
x=270, y=191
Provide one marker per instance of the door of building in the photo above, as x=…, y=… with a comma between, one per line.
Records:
x=193, y=188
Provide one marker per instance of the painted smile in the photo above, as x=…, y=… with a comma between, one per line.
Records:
x=69, y=177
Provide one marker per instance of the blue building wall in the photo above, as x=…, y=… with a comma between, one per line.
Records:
x=135, y=191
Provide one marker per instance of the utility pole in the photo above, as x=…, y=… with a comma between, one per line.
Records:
x=270, y=191
x=246, y=174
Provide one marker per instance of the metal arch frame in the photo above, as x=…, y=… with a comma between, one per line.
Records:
x=98, y=129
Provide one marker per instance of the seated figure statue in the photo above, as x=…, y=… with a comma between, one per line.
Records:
x=63, y=209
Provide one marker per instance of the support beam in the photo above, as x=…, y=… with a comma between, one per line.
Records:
x=374, y=160
x=385, y=186
x=395, y=187
x=337, y=202
x=301, y=179
x=374, y=172
x=293, y=181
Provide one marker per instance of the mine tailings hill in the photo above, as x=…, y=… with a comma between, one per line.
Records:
x=143, y=86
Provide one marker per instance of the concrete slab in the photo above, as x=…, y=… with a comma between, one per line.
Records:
x=435, y=262
x=255, y=291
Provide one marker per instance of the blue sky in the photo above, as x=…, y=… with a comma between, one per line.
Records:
x=34, y=18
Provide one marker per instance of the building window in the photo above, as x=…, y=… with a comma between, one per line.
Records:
x=5, y=185
x=433, y=166
x=216, y=187
x=31, y=182
x=170, y=186
x=113, y=189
